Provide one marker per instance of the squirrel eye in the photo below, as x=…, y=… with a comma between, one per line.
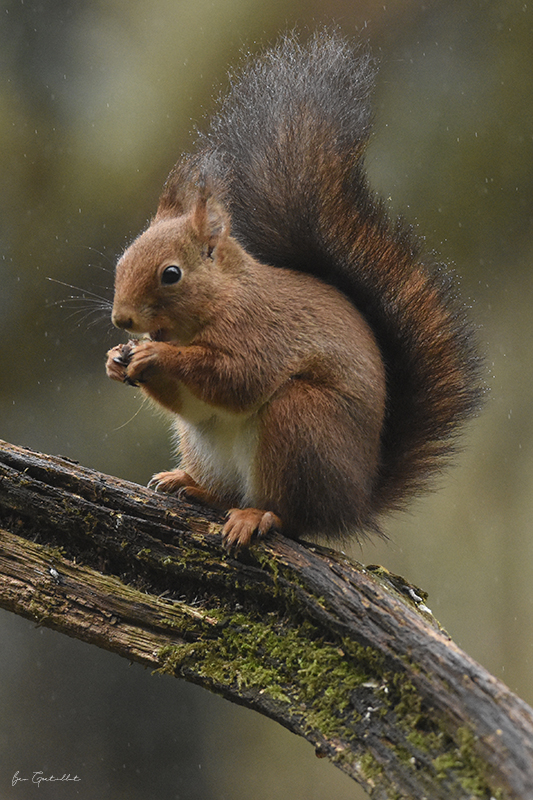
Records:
x=171, y=275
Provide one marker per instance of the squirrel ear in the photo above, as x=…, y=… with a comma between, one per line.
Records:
x=210, y=220
x=175, y=199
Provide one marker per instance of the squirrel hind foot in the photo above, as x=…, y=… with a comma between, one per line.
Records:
x=243, y=523
x=171, y=482
x=180, y=483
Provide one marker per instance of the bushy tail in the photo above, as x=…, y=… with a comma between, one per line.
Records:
x=286, y=150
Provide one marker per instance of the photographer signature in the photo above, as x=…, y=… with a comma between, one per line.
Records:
x=40, y=777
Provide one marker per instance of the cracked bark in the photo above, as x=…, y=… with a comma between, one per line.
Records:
x=348, y=657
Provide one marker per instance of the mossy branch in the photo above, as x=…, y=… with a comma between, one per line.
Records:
x=346, y=656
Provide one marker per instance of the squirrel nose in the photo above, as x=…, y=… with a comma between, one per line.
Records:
x=122, y=322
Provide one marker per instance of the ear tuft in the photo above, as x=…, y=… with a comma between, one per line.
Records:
x=209, y=218
x=178, y=190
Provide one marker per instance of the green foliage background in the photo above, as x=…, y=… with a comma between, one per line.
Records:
x=97, y=99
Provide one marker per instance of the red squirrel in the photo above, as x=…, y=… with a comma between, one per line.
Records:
x=316, y=365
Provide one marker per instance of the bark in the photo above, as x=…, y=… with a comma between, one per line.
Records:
x=348, y=657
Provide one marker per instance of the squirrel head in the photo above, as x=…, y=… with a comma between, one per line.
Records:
x=170, y=280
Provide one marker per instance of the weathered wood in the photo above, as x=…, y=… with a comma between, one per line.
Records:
x=346, y=656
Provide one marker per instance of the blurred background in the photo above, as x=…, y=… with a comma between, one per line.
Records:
x=97, y=99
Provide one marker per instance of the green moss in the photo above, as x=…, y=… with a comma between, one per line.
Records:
x=456, y=759
x=370, y=661
x=371, y=769
x=284, y=664
x=271, y=565
x=426, y=741
x=54, y=552
x=464, y=762
x=290, y=662
x=295, y=665
x=408, y=706
x=88, y=521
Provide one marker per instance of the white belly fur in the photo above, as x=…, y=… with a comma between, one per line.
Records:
x=224, y=445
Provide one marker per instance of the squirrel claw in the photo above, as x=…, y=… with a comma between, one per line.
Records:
x=172, y=482
x=243, y=523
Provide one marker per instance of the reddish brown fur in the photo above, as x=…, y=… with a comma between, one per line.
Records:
x=315, y=405
x=278, y=346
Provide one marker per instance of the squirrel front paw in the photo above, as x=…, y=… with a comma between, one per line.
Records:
x=118, y=359
x=133, y=362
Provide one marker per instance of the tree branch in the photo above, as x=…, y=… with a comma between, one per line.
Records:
x=346, y=656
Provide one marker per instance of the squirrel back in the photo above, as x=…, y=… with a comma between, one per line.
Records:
x=285, y=155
